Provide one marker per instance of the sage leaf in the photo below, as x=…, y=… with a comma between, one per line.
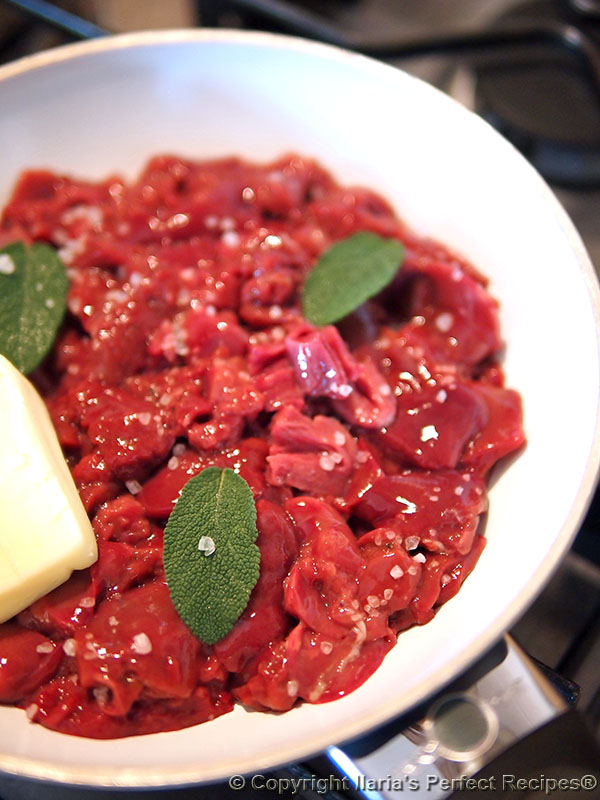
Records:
x=211, y=561
x=348, y=273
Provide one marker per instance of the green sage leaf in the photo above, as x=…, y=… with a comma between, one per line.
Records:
x=211, y=561
x=33, y=299
x=348, y=273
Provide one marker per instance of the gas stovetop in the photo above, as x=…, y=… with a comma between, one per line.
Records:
x=531, y=68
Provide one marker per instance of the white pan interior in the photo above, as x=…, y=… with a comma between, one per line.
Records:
x=108, y=105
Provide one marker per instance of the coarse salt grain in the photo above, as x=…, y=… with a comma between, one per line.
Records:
x=69, y=647
x=292, y=688
x=326, y=462
x=113, y=621
x=459, y=490
x=230, y=238
x=411, y=542
x=101, y=694
x=133, y=487
x=419, y=558
x=326, y=647
x=388, y=594
x=396, y=572
x=145, y=417
x=412, y=570
x=429, y=432
x=7, y=265
x=45, y=647
x=339, y=438
x=362, y=457
x=445, y=580
x=206, y=545
x=373, y=601
x=441, y=396
x=173, y=463
x=179, y=449
x=141, y=644
x=443, y=322
x=87, y=602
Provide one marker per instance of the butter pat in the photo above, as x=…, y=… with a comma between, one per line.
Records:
x=45, y=532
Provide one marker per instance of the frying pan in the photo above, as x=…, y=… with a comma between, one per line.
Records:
x=95, y=108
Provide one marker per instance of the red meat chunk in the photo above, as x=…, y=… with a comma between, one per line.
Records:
x=314, y=455
x=27, y=660
x=325, y=368
x=438, y=510
x=434, y=423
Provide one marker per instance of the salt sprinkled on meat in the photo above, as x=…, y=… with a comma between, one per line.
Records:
x=441, y=396
x=230, y=239
x=133, y=487
x=326, y=647
x=396, y=572
x=141, y=644
x=173, y=463
x=373, y=601
x=412, y=542
x=443, y=322
x=113, y=621
x=459, y=490
x=145, y=417
x=339, y=438
x=445, y=580
x=69, y=647
x=412, y=570
x=273, y=241
x=44, y=648
x=292, y=688
x=326, y=462
x=101, y=694
x=87, y=602
x=419, y=558
x=206, y=545
x=388, y=594
x=179, y=449
x=429, y=432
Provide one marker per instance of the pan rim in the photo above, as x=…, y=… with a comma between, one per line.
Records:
x=174, y=776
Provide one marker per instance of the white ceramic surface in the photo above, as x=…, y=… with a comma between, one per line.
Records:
x=108, y=105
